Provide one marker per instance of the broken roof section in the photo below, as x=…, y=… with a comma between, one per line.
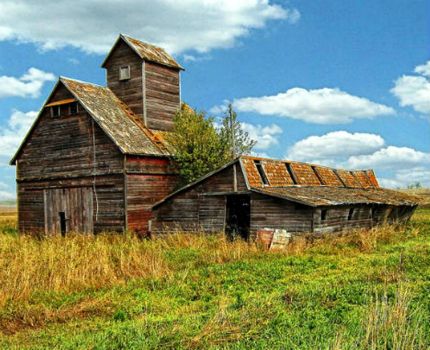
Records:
x=113, y=116
x=146, y=52
x=282, y=173
x=309, y=184
x=315, y=196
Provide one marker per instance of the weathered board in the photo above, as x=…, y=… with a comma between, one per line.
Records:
x=74, y=205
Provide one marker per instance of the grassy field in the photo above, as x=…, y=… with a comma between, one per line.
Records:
x=364, y=290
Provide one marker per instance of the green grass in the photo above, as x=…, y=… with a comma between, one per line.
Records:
x=360, y=291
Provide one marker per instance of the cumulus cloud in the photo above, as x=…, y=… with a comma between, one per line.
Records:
x=178, y=26
x=334, y=147
x=400, y=166
x=390, y=157
x=28, y=85
x=414, y=90
x=319, y=106
x=11, y=136
x=266, y=136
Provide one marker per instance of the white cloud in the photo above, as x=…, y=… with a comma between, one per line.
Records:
x=28, y=85
x=176, y=25
x=390, y=157
x=334, y=147
x=400, y=166
x=266, y=136
x=11, y=136
x=405, y=177
x=320, y=106
x=414, y=91
x=423, y=69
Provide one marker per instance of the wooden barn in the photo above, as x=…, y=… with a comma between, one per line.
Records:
x=95, y=159
x=251, y=195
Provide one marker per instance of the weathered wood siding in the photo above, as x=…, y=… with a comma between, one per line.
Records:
x=273, y=213
x=129, y=91
x=148, y=180
x=63, y=147
x=162, y=95
x=201, y=206
x=59, y=154
x=212, y=213
x=108, y=203
x=337, y=218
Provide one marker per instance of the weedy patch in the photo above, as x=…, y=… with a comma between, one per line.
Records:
x=361, y=289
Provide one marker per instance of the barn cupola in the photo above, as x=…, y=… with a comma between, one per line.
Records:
x=147, y=79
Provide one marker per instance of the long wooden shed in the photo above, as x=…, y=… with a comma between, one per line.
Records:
x=252, y=194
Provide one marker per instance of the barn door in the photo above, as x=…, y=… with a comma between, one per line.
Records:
x=68, y=210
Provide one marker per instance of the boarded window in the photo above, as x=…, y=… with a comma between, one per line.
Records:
x=261, y=172
x=124, y=72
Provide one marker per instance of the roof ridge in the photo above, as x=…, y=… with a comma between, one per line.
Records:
x=62, y=77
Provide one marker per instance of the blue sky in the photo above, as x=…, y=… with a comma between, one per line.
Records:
x=337, y=82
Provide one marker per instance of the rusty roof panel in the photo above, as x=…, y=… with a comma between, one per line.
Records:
x=251, y=171
x=151, y=53
x=372, y=178
x=328, y=176
x=305, y=175
x=348, y=178
x=277, y=173
x=363, y=179
x=124, y=128
x=324, y=196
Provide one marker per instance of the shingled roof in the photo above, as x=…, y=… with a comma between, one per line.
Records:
x=113, y=116
x=146, y=52
x=311, y=184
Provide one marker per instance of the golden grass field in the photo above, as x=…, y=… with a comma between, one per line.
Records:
x=361, y=290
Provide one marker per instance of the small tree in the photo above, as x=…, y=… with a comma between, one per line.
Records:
x=234, y=139
x=195, y=143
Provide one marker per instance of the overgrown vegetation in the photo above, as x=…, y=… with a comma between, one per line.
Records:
x=361, y=290
x=200, y=147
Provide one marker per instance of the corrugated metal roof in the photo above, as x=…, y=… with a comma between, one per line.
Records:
x=146, y=52
x=321, y=195
x=289, y=173
x=125, y=129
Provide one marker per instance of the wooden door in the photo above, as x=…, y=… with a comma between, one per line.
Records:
x=68, y=210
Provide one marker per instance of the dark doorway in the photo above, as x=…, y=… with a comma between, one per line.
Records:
x=238, y=216
x=63, y=226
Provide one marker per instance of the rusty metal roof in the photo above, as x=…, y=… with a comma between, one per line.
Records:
x=326, y=196
x=147, y=52
x=282, y=173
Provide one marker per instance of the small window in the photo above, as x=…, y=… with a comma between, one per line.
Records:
x=261, y=172
x=323, y=214
x=73, y=108
x=350, y=214
x=56, y=111
x=373, y=213
x=124, y=72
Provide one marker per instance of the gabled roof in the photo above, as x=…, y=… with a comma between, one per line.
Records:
x=310, y=184
x=113, y=116
x=146, y=52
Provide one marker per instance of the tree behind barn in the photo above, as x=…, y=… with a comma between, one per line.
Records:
x=200, y=148
x=234, y=139
x=195, y=143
